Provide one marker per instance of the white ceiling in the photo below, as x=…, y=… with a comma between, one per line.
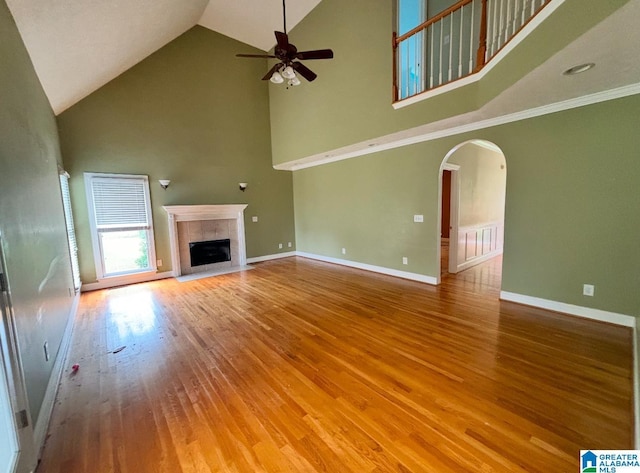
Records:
x=78, y=46
x=253, y=22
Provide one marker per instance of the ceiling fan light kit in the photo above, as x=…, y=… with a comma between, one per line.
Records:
x=277, y=78
x=288, y=73
x=289, y=58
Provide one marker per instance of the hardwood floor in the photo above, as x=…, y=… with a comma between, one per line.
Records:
x=304, y=366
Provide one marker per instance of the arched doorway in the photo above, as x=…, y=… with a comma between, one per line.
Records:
x=472, y=192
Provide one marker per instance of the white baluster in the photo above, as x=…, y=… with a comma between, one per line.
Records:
x=450, y=44
x=502, y=34
x=419, y=85
x=431, y=59
x=494, y=36
x=473, y=8
x=460, y=42
x=440, y=59
x=406, y=69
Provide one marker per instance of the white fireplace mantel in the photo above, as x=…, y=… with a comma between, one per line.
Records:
x=190, y=213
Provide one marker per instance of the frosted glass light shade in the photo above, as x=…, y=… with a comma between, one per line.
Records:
x=288, y=72
x=277, y=78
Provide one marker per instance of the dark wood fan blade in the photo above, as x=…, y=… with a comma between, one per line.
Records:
x=271, y=71
x=304, y=71
x=255, y=55
x=282, y=39
x=316, y=54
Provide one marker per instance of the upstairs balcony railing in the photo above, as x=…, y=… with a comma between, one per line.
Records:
x=456, y=42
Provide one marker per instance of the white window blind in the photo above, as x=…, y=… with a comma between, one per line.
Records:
x=71, y=230
x=121, y=224
x=120, y=203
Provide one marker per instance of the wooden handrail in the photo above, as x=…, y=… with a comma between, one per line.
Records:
x=482, y=54
x=433, y=20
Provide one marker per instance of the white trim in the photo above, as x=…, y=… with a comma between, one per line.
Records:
x=124, y=280
x=192, y=213
x=368, y=267
x=478, y=260
x=510, y=46
x=98, y=260
x=580, y=311
x=42, y=424
x=259, y=259
x=337, y=155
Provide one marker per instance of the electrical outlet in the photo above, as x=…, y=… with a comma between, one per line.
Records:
x=418, y=218
x=405, y=260
x=289, y=244
x=46, y=351
x=254, y=218
x=446, y=39
x=159, y=262
x=588, y=290
x=280, y=245
x=344, y=251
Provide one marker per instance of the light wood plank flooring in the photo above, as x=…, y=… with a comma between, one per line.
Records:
x=303, y=366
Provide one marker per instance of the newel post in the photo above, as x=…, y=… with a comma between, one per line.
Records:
x=482, y=44
x=395, y=67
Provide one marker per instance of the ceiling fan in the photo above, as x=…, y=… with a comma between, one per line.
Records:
x=289, y=57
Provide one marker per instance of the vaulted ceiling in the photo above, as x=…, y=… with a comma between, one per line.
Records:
x=78, y=46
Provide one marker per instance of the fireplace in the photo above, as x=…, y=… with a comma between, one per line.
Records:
x=209, y=252
x=206, y=228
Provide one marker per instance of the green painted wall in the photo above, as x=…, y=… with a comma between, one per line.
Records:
x=194, y=113
x=572, y=205
x=350, y=101
x=31, y=214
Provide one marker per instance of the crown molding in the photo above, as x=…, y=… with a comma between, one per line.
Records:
x=392, y=143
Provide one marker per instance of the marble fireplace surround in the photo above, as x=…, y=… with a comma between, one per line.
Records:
x=192, y=213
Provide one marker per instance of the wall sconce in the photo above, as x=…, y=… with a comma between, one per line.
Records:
x=242, y=186
x=164, y=183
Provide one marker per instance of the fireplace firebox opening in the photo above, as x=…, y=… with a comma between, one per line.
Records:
x=212, y=251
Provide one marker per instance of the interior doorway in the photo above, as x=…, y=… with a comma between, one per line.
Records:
x=17, y=450
x=472, y=190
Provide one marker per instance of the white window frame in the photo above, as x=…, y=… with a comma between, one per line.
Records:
x=421, y=54
x=71, y=229
x=95, y=237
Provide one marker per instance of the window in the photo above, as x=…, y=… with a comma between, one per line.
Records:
x=411, y=13
x=121, y=224
x=71, y=230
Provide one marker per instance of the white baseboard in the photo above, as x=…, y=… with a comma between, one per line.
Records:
x=124, y=280
x=587, y=312
x=42, y=424
x=369, y=267
x=603, y=316
x=259, y=259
